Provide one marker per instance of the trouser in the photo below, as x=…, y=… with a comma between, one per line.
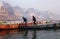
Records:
x=34, y=22
x=25, y=23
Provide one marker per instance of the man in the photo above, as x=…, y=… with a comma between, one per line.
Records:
x=34, y=20
x=25, y=20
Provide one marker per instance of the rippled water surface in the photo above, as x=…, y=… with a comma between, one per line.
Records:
x=30, y=34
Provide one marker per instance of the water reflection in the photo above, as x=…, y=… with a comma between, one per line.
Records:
x=34, y=34
x=26, y=32
x=7, y=34
x=10, y=34
x=30, y=34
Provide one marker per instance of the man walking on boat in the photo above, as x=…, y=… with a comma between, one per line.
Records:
x=25, y=20
x=34, y=20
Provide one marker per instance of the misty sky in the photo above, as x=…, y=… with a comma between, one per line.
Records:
x=44, y=5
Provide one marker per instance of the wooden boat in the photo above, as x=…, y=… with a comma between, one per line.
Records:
x=29, y=25
x=17, y=25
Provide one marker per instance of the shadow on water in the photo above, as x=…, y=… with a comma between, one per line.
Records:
x=26, y=34
x=34, y=34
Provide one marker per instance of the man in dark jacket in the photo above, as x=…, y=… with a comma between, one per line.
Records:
x=34, y=20
x=25, y=20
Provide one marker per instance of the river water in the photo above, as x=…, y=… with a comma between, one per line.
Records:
x=30, y=34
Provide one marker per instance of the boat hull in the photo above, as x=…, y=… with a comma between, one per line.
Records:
x=9, y=26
